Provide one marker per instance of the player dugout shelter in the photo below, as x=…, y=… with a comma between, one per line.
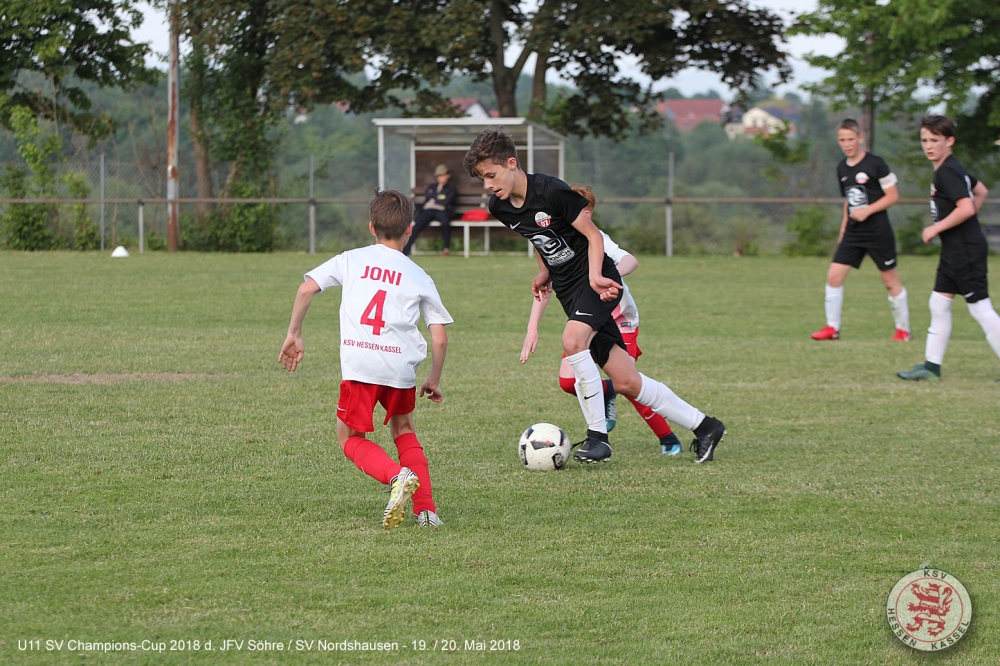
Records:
x=410, y=148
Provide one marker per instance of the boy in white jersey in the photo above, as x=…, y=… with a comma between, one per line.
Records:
x=384, y=294
x=572, y=263
x=869, y=187
x=626, y=316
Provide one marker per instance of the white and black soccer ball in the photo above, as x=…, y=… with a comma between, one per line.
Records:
x=544, y=447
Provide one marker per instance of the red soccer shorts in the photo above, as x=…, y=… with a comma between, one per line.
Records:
x=357, y=403
x=632, y=343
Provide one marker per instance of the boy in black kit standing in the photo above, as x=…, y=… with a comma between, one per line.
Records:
x=955, y=199
x=870, y=189
x=572, y=263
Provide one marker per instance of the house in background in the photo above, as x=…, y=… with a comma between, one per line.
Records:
x=472, y=108
x=765, y=120
x=686, y=114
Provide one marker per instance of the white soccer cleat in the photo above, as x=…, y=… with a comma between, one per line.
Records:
x=428, y=519
x=401, y=490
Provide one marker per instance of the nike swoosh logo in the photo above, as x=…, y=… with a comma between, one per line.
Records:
x=890, y=262
x=844, y=178
x=969, y=295
x=583, y=314
x=591, y=396
x=515, y=226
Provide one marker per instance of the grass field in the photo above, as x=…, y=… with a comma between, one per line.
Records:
x=163, y=480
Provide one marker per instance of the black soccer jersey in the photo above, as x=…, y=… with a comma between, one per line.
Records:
x=862, y=184
x=546, y=219
x=950, y=184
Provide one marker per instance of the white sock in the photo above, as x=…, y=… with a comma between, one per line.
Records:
x=589, y=390
x=834, y=304
x=983, y=312
x=940, y=329
x=658, y=397
x=900, y=311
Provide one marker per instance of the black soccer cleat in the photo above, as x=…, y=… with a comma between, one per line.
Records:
x=592, y=450
x=712, y=431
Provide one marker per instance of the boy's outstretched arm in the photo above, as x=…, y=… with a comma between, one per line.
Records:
x=531, y=336
x=439, y=347
x=293, y=349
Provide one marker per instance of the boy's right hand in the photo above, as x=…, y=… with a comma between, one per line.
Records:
x=541, y=286
x=605, y=287
x=291, y=353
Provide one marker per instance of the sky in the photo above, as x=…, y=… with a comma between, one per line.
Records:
x=689, y=82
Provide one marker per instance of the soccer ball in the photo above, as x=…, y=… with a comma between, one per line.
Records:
x=544, y=447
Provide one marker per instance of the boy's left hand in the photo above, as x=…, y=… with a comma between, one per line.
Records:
x=432, y=391
x=291, y=353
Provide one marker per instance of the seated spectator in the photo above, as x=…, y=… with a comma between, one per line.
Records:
x=439, y=204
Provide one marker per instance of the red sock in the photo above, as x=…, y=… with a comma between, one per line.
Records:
x=411, y=455
x=657, y=423
x=568, y=384
x=371, y=459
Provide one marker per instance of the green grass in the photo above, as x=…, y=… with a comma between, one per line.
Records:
x=162, y=479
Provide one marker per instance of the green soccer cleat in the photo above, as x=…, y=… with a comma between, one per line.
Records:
x=918, y=373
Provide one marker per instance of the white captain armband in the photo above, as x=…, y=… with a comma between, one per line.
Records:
x=888, y=181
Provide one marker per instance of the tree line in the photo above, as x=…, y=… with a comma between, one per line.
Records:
x=249, y=62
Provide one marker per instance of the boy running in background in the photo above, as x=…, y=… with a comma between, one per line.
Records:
x=384, y=294
x=956, y=197
x=626, y=316
x=870, y=188
x=572, y=262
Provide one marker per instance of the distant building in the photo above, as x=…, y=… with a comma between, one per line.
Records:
x=472, y=108
x=686, y=114
x=764, y=120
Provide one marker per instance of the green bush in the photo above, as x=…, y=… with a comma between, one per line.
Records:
x=234, y=228
x=85, y=233
x=909, y=237
x=25, y=226
x=814, y=235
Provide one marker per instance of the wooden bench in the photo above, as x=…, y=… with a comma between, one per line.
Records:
x=465, y=202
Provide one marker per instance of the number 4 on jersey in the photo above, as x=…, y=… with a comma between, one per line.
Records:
x=372, y=315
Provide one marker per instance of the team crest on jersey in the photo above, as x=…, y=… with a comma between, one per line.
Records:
x=543, y=219
x=861, y=177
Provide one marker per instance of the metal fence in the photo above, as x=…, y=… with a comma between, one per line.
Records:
x=701, y=208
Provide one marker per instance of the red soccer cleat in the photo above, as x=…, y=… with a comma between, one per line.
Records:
x=902, y=336
x=826, y=333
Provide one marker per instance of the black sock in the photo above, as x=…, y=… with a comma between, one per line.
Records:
x=705, y=424
x=933, y=367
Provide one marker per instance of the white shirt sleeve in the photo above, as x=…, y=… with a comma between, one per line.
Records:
x=330, y=273
x=612, y=250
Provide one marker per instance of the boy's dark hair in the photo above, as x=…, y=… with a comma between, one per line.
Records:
x=493, y=145
x=939, y=125
x=390, y=213
x=850, y=124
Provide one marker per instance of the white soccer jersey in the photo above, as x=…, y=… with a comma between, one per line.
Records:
x=384, y=295
x=627, y=313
